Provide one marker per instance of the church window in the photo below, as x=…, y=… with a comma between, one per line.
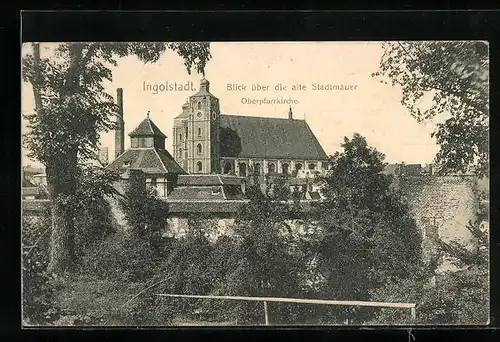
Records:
x=214, y=116
x=180, y=137
x=243, y=169
x=199, y=132
x=227, y=167
x=180, y=153
x=199, y=149
x=199, y=105
x=186, y=132
x=257, y=169
x=199, y=166
x=271, y=168
x=284, y=168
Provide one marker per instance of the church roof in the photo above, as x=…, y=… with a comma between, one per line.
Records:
x=259, y=137
x=150, y=160
x=147, y=128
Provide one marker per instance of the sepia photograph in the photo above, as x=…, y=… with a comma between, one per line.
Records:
x=177, y=184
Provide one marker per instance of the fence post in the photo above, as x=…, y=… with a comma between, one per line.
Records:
x=413, y=313
x=265, y=313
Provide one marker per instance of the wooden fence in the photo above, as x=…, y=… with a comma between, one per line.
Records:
x=265, y=300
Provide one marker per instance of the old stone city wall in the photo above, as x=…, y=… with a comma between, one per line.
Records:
x=442, y=205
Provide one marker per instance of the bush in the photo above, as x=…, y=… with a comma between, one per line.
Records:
x=37, y=290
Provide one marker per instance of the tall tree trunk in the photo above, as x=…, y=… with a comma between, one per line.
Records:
x=61, y=180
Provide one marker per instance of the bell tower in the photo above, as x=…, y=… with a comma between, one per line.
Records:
x=196, y=132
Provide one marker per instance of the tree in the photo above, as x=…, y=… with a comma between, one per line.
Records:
x=72, y=109
x=457, y=296
x=462, y=297
x=454, y=75
x=368, y=234
x=263, y=264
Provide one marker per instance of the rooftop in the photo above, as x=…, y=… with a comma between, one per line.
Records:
x=150, y=160
x=261, y=137
x=207, y=180
x=147, y=128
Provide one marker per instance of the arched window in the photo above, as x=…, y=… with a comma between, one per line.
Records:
x=256, y=168
x=284, y=168
x=199, y=149
x=271, y=168
x=199, y=132
x=180, y=137
x=243, y=169
x=227, y=167
x=180, y=153
x=199, y=166
x=199, y=105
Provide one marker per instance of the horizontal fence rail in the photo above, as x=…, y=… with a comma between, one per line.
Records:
x=410, y=306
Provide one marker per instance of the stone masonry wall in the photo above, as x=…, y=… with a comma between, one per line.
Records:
x=447, y=202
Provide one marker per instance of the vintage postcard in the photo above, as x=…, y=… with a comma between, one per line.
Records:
x=255, y=183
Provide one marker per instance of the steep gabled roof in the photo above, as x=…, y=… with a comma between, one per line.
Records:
x=207, y=180
x=150, y=160
x=196, y=193
x=197, y=207
x=259, y=137
x=147, y=128
x=25, y=183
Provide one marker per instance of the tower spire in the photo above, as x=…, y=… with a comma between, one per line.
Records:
x=290, y=114
x=147, y=114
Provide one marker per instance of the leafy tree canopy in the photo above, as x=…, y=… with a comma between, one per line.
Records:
x=368, y=233
x=455, y=76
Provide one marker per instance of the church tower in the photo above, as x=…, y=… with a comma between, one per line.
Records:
x=196, y=132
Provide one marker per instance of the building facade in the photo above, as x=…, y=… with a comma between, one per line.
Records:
x=196, y=133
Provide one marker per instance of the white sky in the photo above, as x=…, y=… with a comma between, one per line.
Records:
x=373, y=109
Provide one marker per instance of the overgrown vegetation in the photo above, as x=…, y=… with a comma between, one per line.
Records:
x=360, y=249
x=72, y=109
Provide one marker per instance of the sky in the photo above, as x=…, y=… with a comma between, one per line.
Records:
x=370, y=108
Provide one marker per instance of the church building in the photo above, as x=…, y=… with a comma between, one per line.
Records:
x=208, y=142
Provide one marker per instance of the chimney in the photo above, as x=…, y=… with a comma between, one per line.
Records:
x=120, y=125
x=290, y=114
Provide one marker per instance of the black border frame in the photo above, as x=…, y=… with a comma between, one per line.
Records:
x=230, y=25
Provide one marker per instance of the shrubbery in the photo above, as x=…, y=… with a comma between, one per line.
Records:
x=360, y=250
